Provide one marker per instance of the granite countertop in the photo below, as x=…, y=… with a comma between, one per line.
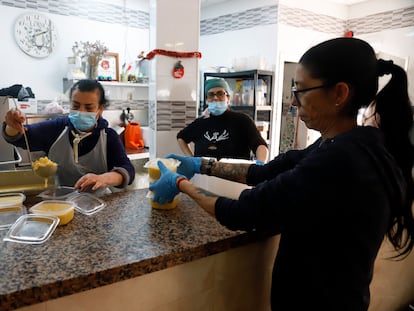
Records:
x=126, y=239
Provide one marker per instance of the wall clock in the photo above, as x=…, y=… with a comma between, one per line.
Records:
x=35, y=34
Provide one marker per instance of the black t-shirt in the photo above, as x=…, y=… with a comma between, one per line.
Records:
x=230, y=135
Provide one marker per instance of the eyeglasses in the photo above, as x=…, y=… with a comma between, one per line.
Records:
x=296, y=92
x=219, y=94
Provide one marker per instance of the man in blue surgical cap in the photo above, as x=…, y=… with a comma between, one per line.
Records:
x=221, y=132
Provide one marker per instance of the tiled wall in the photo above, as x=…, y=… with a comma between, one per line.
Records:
x=110, y=13
x=305, y=19
x=88, y=9
x=247, y=19
x=172, y=115
x=382, y=21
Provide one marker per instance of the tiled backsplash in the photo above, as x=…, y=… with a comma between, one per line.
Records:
x=172, y=115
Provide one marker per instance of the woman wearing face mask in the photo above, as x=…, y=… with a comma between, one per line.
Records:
x=90, y=156
x=222, y=133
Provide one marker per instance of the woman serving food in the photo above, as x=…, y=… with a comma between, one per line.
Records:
x=89, y=154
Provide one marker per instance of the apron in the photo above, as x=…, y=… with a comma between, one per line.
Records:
x=69, y=171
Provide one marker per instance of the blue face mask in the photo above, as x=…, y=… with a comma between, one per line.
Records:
x=82, y=120
x=217, y=108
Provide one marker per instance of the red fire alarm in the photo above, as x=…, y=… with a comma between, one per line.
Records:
x=349, y=34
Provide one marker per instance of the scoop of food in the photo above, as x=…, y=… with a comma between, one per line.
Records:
x=44, y=167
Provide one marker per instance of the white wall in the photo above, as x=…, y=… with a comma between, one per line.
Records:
x=323, y=7
x=396, y=42
x=228, y=48
x=44, y=76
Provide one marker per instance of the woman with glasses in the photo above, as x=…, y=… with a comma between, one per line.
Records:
x=223, y=133
x=334, y=202
x=89, y=154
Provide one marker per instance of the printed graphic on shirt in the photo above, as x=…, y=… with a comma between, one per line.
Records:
x=216, y=136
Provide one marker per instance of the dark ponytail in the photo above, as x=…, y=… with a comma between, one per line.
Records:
x=394, y=109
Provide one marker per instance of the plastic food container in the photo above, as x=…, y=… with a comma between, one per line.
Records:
x=168, y=205
x=153, y=170
x=9, y=215
x=86, y=203
x=12, y=199
x=32, y=229
x=57, y=193
x=154, y=174
x=62, y=209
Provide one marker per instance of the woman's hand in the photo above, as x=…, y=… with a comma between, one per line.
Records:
x=188, y=166
x=95, y=182
x=15, y=119
x=165, y=188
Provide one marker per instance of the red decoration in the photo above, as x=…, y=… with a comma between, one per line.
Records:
x=151, y=54
x=178, y=70
x=349, y=34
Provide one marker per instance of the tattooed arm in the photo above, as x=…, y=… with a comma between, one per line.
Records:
x=205, y=199
x=230, y=171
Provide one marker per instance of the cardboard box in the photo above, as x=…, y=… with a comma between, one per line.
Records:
x=27, y=107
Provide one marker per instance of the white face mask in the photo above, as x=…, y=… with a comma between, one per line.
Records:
x=217, y=108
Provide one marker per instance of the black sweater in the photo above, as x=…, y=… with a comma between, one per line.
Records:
x=331, y=202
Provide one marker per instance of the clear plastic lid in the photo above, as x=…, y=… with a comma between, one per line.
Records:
x=86, y=203
x=57, y=193
x=32, y=229
x=12, y=199
x=9, y=215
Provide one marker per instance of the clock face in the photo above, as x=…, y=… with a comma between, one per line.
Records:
x=35, y=34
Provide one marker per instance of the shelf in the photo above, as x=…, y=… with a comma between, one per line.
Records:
x=264, y=108
x=128, y=84
x=137, y=154
x=247, y=74
x=67, y=84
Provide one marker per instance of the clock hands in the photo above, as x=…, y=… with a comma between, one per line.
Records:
x=41, y=33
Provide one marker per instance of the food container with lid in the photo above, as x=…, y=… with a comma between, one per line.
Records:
x=65, y=210
x=9, y=215
x=154, y=174
x=153, y=170
x=12, y=199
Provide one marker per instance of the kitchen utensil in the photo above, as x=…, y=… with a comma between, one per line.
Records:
x=25, y=137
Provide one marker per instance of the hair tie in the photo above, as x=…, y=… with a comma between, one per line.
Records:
x=384, y=67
